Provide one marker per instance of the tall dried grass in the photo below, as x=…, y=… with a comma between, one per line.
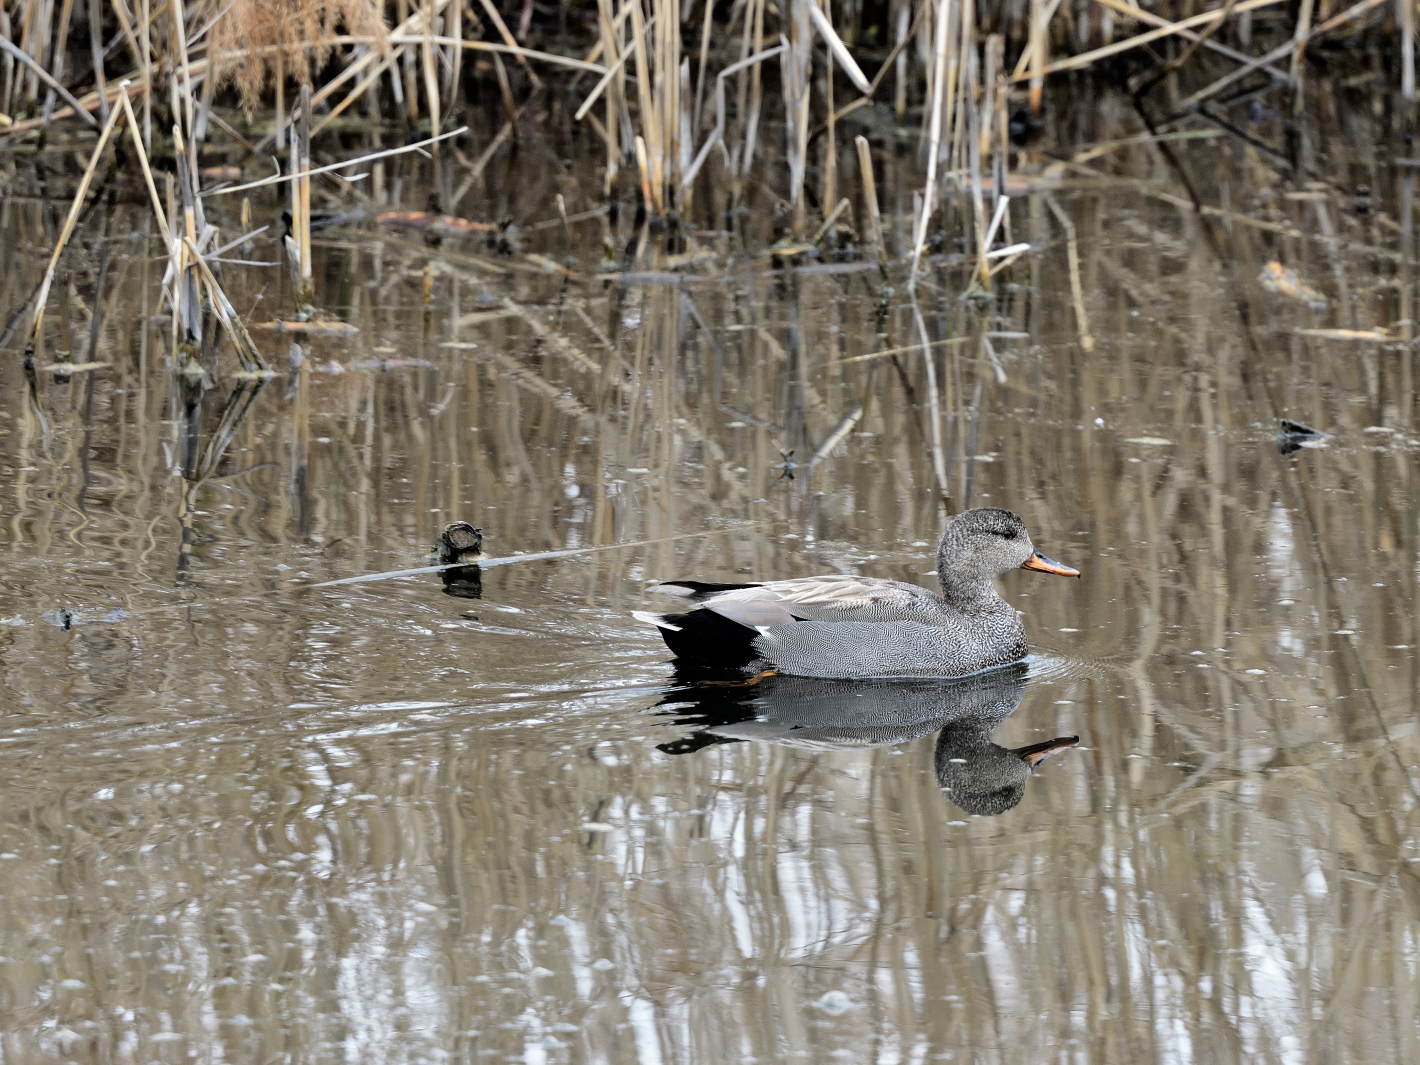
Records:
x=256, y=42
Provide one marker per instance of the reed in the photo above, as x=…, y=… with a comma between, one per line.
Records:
x=968, y=66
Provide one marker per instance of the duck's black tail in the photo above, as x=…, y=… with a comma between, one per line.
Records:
x=704, y=638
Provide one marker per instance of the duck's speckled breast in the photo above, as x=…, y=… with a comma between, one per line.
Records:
x=951, y=646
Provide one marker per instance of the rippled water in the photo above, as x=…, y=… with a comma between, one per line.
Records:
x=244, y=817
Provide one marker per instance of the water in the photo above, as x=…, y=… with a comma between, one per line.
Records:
x=245, y=818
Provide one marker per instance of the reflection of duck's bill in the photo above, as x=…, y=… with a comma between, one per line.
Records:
x=1046, y=565
x=1039, y=752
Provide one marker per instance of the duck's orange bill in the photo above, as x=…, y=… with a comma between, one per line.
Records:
x=1046, y=565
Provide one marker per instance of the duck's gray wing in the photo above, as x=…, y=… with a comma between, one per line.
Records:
x=832, y=598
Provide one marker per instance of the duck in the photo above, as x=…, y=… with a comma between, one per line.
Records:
x=843, y=626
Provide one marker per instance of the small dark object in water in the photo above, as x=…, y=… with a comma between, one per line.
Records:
x=460, y=542
x=1363, y=199
x=465, y=582
x=1293, y=436
x=1021, y=128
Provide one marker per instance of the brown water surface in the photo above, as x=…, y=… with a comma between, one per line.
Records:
x=247, y=818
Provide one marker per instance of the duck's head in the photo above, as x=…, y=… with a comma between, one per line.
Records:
x=979, y=545
x=982, y=778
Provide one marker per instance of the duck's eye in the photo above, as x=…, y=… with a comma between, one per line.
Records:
x=1006, y=534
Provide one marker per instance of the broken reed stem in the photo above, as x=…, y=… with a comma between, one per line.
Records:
x=833, y=217
x=64, y=94
x=1036, y=48
x=870, y=194
x=1077, y=291
x=68, y=228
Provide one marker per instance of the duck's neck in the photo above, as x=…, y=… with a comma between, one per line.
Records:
x=967, y=593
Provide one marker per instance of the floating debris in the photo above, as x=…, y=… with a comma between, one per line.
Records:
x=428, y=222
x=1277, y=278
x=1377, y=335
x=459, y=541
x=315, y=328
x=65, y=369
x=1150, y=441
x=388, y=364
x=1293, y=436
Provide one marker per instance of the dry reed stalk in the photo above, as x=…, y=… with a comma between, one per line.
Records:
x=837, y=48
x=1085, y=59
x=644, y=169
x=382, y=61
x=305, y=294
x=795, y=61
x=899, y=99
x=870, y=195
x=648, y=145
x=96, y=55
x=754, y=31
x=24, y=57
x=1035, y=48
x=704, y=59
x=80, y=195
x=949, y=342
x=134, y=133
x=146, y=17
x=717, y=135
x=363, y=160
x=615, y=94
x=934, y=140
x=1263, y=62
x=1077, y=291
x=1299, y=37
x=1405, y=16
x=442, y=40
x=833, y=217
x=508, y=38
x=59, y=50
x=1139, y=14
x=431, y=82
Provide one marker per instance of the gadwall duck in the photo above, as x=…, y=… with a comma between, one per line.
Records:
x=843, y=626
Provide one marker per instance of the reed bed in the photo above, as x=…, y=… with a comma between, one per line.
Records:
x=709, y=118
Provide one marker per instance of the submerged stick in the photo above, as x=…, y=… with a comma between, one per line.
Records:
x=276, y=179
x=834, y=438
x=541, y=556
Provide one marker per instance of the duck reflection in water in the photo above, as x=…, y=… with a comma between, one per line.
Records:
x=977, y=775
x=461, y=542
